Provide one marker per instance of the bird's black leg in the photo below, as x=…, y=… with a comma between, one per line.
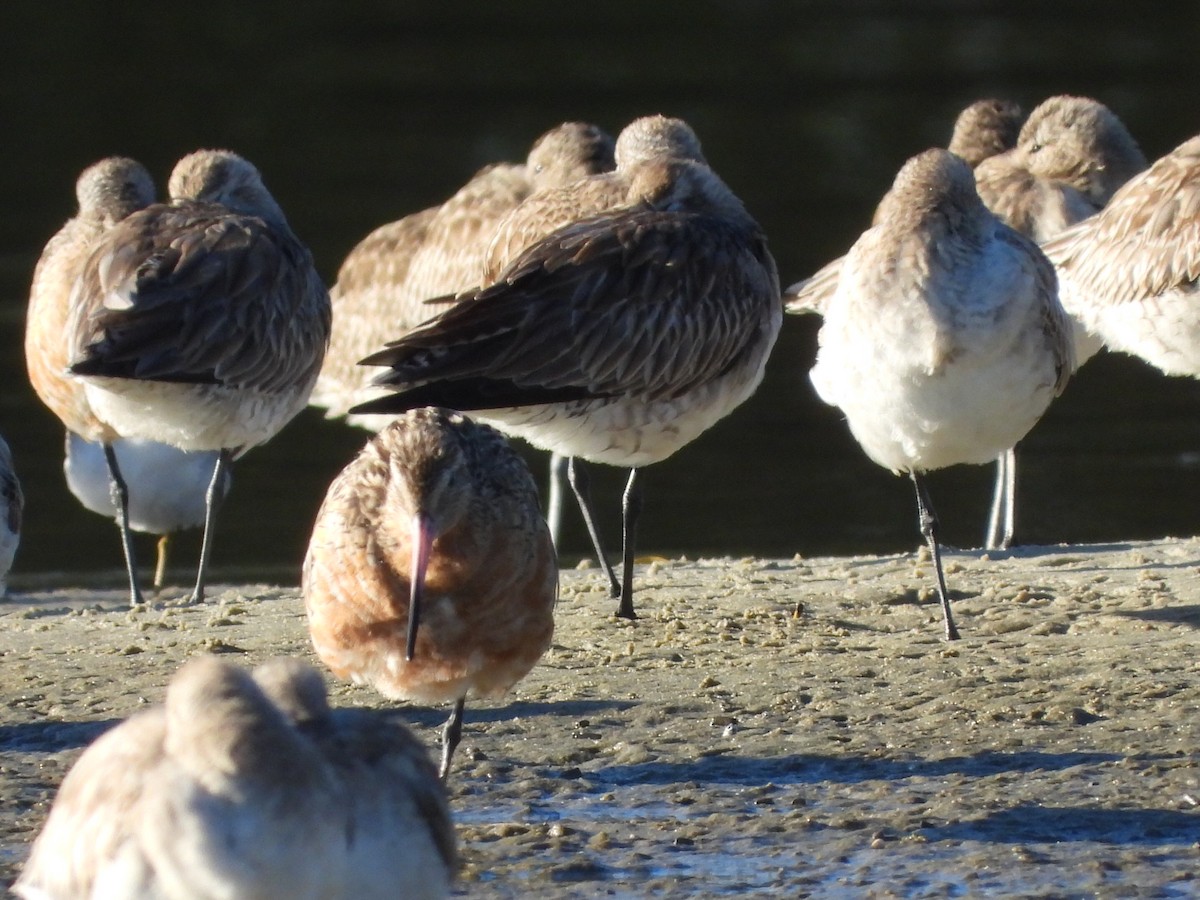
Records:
x=631, y=511
x=212, y=502
x=581, y=485
x=451, y=735
x=927, y=519
x=119, y=493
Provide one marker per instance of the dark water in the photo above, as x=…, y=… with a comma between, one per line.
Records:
x=360, y=112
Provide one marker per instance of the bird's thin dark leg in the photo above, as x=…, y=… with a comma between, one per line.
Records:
x=119, y=493
x=1002, y=522
x=631, y=511
x=581, y=485
x=212, y=502
x=451, y=735
x=929, y=528
x=554, y=495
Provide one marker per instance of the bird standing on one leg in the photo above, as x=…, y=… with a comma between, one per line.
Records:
x=944, y=342
x=201, y=323
x=430, y=573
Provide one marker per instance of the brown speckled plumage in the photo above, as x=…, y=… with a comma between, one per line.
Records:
x=487, y=592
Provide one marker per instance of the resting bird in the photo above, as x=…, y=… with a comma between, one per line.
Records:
x=618, y=338
x=944, y=342
x=1129, y=275
x=107, y=192
x=246, y=786
x=430, y=573
x=201, y=323
x=385, y=282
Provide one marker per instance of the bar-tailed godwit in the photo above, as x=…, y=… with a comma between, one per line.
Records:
x=106, y=192
x=385, y=281
x=430, y=573
x=1068, y=159
x=555, y=206
x=386, y=278
x=1071, y=156
x=982, y=130
x=944, y=342
x=201, y=323
x=1128, y=275
x=618, y=338
x=236, y=788
x=985, y=128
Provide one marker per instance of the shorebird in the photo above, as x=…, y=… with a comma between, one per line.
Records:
x=982, y=130
x=201, y=323
x=944, y=342
x=1070, y=158
x=171, y=486
x=646, y=139
x=1128, y=275
x=235, y=788
x=107, y=192
x=618, y=339
x=985, y=128
x=385, y=281
x=12, y=506
x=430, y=573
x=386, y=278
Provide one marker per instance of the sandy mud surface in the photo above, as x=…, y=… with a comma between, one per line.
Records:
x=771, y=728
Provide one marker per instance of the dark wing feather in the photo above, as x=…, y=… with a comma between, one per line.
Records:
x=636, y=303
x=193, y=293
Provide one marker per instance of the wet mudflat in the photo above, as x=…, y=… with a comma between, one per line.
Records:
x=767, y=727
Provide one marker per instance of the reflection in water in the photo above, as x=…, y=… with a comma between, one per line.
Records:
x=358, y=113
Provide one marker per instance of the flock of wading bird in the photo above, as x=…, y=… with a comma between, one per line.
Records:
x=608, y=301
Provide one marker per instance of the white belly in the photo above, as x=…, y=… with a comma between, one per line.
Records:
x=193, y=417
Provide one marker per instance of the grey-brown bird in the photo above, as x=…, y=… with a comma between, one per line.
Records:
x=1129, y=274
x=944, y=342
x=201, y=323
x=384, y=282
x=985, y=128
x=246, y=786
x=982, y=130
x=107, y=192
x=618, y=338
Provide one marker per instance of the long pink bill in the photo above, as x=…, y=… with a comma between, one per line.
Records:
x=422, y=530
